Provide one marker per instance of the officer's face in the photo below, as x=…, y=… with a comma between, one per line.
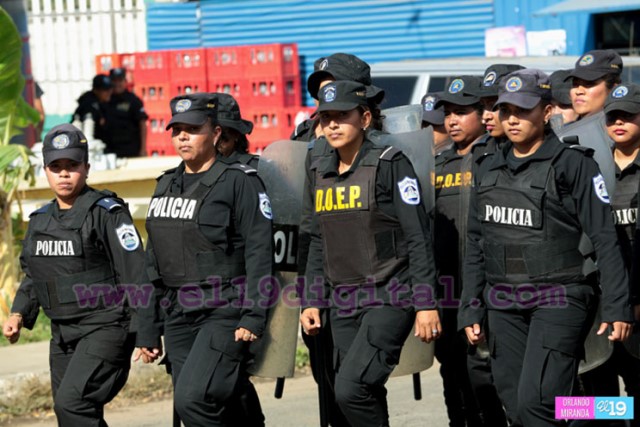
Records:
x=195, y=143
x=343, y=128
x=66, y=178
x=490, y=118
x=228, y=140
x=588, y=97
x=104, y=95
x=463, y=124
x=568, y=113
x=524, y=127
x=624, y=128
x=119, y=85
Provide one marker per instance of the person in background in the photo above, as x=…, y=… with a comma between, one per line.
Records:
x=126, y=119
x=93, y=105
x=434, y=117
x=563, y=111
x=235, y=129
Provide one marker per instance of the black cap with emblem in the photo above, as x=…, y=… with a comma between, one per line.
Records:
x=625, y=97
x=101, y=82
x=561, y=84
x=463, y=90
x=193, y=109
x=431, y=114
x=524, y=88
x=492, y=76
x=65, y=141
x=596, y=64
x=343, y=66
x=342, y=95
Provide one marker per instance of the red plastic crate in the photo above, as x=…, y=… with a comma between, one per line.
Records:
x=158, y=138
x=269, y=125
x=238, y=88
x=155, y=96
x=228, y=61
x=278, y=59
x=181, y=87
x=152, y=66
x=188, y=64
x=275, y=91
x=106, y=62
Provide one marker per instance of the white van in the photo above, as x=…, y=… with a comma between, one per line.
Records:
x=406, y=82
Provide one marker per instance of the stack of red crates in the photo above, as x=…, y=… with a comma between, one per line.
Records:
x=264, y=79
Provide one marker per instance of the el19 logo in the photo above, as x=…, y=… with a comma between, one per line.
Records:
x=607, y=408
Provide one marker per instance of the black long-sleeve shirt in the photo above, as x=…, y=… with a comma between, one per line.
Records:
x=412, y=218
x=574, y=173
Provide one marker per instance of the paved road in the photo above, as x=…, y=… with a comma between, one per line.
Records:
x=297, y=408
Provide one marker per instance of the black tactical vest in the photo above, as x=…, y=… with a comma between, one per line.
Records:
x=62, y=258
x=624, y=203
x=183, y=254
x=360, y=241
x=528, y=236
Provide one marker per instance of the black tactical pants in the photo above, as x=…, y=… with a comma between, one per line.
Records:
x=535, y=352
x=367, y=345
x=463, y=405
x=88, y=373
x=321, y=360
x=211, y=385
x=603, y=381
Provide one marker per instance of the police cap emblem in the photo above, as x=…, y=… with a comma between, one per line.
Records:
x=456, y=86
x=586, y=60
x=61, y=141
x=324, y=64
x=329, y=93
x=620, y=92
x=490, y=79
x=183, y=105
x=513, y=84
x=429, y=103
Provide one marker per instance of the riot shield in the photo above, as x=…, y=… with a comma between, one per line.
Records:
x=597, y=348
x=281, y=168
x=417, y=144
x=591, y=133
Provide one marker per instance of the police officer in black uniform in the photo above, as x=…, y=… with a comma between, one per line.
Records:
x=126, y=119
x=434, y=117
x=210, y=244
x=77, y=250
x=563, y=111
x=234, y=131
x=462, y=111
x=369, y=235
x=93, y=105
x=530, y=203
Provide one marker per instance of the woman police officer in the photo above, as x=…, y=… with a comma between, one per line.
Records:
x=530, y=204
x=78, y=251
x=369, y=233
x=233, y=140
x=209, y=225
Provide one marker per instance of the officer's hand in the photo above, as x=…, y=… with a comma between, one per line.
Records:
x=11, y=328
x=243, y=334
x=310, y=321
x=427, y=325
x=474, y=334
x=621, y=330
x=148, y=355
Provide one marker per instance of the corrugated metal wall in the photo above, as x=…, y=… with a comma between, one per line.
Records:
x=375, y=30
x=579, y=26
x=173, y=25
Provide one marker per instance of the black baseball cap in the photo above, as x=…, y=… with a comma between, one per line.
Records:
x=117, y=73
x=492, y=76
x=624, y=98
x=561, y=84
x=596, y=64
x=229, y=114
x=65, y=141
x=430, y=113
x=524, y=88
x=343, y=66
x=193, y=109
x=342, y=95
x=101, y=81
x=463, y=90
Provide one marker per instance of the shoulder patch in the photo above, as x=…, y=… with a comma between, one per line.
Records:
x=244, y=168
x=409, y=191
x=600, y=188
x=41, y=210
x=265, y=206
x=389, y=153
x=584, y=150
x=128, y=237
x=109, y=203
